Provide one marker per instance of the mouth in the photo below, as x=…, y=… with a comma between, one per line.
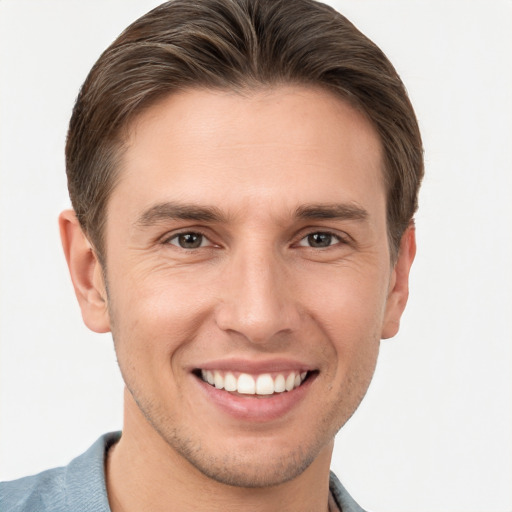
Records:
x=263, y=384
x=255, y=392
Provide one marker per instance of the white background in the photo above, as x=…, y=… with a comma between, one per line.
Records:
x=435, y=431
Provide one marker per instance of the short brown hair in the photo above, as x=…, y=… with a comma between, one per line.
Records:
x=237, y=44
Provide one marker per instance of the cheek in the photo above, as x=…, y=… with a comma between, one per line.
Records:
x=152, y=319
x=349, y=310
x=350, y=300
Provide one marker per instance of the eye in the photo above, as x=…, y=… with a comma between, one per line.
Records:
x=319, y=240
x=189, y=240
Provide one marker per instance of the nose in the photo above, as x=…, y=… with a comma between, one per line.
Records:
x=257, y=298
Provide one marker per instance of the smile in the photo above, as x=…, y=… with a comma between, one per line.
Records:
x=247, y=384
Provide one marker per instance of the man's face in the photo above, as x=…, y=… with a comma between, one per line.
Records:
x=246, y=243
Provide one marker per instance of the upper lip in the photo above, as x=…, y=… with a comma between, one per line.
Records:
x=255, y=367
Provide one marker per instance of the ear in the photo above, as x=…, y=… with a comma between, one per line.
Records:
x=399, y=284
x=86, y=273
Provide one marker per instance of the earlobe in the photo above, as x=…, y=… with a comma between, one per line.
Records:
x=399, y=284
x=86, y=273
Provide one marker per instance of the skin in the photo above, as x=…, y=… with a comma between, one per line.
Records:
x=255, y=290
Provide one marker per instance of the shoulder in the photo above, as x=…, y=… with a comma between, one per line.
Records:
x=343, y=499
x=37, y=492
x=33, y=492
x=78, y=486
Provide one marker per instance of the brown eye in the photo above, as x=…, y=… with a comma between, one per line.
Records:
x=188, y=240
x=319, y=240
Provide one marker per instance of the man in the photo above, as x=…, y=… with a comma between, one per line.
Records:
x=243, y=176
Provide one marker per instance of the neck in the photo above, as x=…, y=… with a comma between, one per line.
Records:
x=144, y=473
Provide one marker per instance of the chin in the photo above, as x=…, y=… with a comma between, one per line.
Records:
x=255, y=467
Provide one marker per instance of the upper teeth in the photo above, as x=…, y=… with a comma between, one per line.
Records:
x=246, y=384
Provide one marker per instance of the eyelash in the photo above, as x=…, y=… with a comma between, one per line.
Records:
x=176, y=236
x=339, y=240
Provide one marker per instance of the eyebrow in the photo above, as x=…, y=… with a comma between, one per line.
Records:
x=181, y=211
x=173, y=211
x=331, y=211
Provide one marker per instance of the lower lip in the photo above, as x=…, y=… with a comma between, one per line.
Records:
x=256, y=408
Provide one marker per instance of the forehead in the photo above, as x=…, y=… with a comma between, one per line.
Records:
x=281, y=146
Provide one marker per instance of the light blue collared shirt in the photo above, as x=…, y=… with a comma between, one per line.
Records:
x=80, y=486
